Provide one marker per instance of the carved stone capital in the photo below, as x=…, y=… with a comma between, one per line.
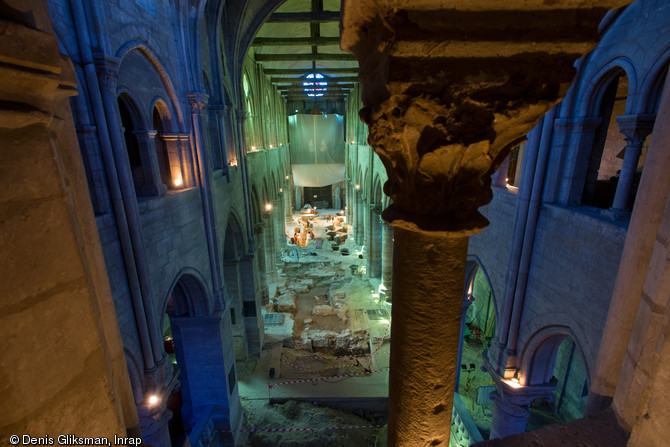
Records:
x=636, y=127
x=198, y=102
x=108, y=72
x=444, y=110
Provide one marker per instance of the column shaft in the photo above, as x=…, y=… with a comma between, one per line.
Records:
x=428, y=277
x=387, y=259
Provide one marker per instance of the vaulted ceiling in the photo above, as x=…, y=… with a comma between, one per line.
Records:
x=300, y=38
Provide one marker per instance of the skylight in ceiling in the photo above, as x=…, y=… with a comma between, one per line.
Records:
x=315, y=84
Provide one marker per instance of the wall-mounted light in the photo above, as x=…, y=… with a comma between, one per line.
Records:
x=232, y=163
x=271, y=146
x=353, y=142
x=358, y=186
x=253, y=148
x=287, y=177
x=268, y=207
x=153, y=400
x=177, y=182
x=281, y=189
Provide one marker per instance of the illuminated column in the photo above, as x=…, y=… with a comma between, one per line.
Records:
x=636, y=128
x=441, y=129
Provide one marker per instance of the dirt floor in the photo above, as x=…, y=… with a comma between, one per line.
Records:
x=334, y=324
x=293, y=414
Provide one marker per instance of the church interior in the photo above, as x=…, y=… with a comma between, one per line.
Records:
x=335, y=222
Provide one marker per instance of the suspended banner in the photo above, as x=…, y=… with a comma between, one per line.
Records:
x=317, y=149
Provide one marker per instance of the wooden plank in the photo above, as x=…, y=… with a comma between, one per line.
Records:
x=280, y=80
x=300, y=71
x=315, y=16
x=279, y=41
x=305, y=57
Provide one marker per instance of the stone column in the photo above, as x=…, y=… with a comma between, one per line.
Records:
x=153, y=185
x=187, y=161
x=512, y=405
x=375, y=242
x=636, y=128
x=427, y=291
x=175, y=159
x=360, y=218
x=387, y=260
x=260, y=252
x=441, y=125
x=202, y=345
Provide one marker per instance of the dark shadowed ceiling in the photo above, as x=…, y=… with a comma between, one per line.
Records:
x=301, y=38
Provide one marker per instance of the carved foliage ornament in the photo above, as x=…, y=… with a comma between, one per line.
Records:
x=435, y=167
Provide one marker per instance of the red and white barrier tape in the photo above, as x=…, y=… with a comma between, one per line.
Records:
x=366, y=373
x=347, y=427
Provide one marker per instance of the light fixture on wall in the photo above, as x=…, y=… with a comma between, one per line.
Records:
x=281, y=189
x=153, y=400
x=287, y=177
x=177, y=182
x=358, y=186
x=253, y=148
x=353, y=142
x=271, y=146
x=268, y=209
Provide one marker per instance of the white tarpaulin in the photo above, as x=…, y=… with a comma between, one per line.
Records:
x=317, y=149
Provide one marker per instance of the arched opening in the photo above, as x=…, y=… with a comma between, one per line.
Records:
x=477, y=329
x=558, y=362
x=608, y=151
x=192, y=334
x=128, y=122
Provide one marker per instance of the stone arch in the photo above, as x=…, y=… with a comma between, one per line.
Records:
x=609, y=99
x=189, y=295
x=145, y=49
x=233, y=246
x=473, y=265
x=538, y=355
x=601, y=79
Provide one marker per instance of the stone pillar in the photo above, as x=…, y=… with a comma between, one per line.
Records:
x=253, y=321
x=153, y=185
x=187, y=161
x=440, y=147
x=260, y=252
x=512, y=405
x=628, y=334
x=359, y=218
x=202, y=346
x=63, y=364
x=427, y=291
x=375, y=242
x=387, y=260
x=175, y=159
x=636, y=128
